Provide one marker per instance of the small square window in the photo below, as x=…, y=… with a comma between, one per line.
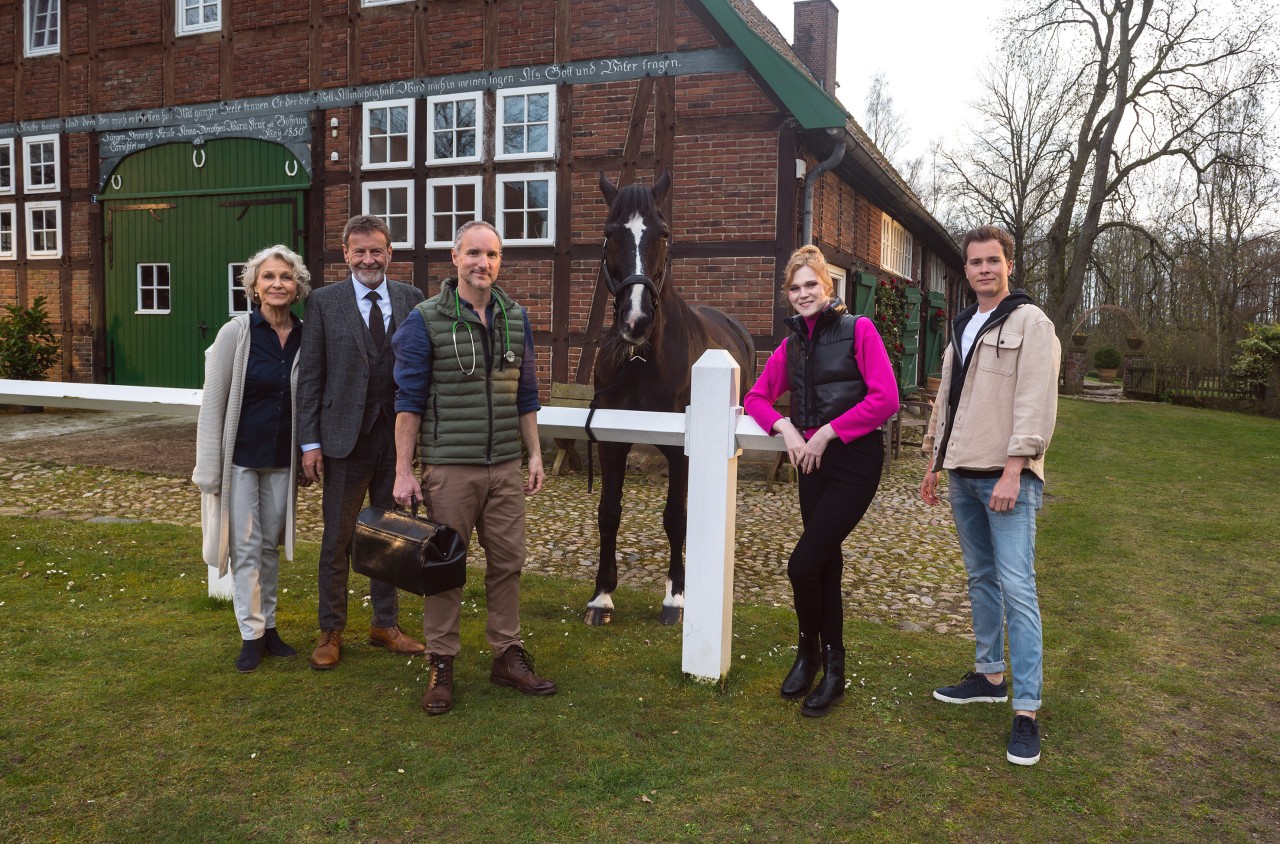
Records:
x=153, y=289
x=526, y=124
x=42, y=18
x=455, y=129
x=388, y=134
x=199, y=16
x=393, y=202
x=44, y=230
x=526, y=208
x=237, y=301
x=40, y=164
x=8, y=232
x=6, y=165
x=450, y=203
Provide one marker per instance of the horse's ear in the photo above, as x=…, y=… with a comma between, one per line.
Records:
x=608, y=188
x=661, y=186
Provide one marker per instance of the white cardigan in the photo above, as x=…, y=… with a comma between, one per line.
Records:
x=225, y=365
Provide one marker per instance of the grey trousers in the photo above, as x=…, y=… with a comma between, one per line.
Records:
x=259, y=499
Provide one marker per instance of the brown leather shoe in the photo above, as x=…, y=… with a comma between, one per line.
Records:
x=439, y=697
x=514, y=668
x=328, y=651
x=394, y=640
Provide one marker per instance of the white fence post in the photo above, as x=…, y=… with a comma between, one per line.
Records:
x=219, y=587
x=710, y=425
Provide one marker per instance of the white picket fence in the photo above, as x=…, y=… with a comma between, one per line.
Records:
x=714, y=431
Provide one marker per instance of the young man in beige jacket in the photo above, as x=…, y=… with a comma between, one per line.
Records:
x=990, y=427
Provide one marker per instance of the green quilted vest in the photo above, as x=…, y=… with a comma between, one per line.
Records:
x=471, y=415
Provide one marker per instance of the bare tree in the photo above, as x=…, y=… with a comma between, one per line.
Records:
x=881, y=119
x=1154, y=71
x=1011, y=167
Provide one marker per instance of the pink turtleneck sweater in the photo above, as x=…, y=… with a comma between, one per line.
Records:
x=864, y=417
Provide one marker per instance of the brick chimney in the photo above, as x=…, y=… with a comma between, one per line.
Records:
x=815, y=39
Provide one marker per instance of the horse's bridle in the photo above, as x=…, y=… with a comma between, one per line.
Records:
x=615, y=288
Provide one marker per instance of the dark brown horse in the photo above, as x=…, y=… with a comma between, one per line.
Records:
x=645, y=363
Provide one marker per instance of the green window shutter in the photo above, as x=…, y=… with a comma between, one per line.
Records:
x=909, y=368
x=935, y=340
x=864, y=295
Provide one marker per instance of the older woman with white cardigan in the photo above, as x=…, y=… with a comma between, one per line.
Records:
x=246, y=448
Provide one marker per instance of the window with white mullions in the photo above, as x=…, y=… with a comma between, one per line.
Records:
x=6, y=166
x=896, y=246
x=456, y=125
x=393, y=202
x=237, y=301
x=8, y=231
x=42, y=26
x=450, y=203
x=153, y=289
x=199, y=16
x=525, y=208
x=388, y=134
x=44, y=229
x=40, y=155
x=526, y=123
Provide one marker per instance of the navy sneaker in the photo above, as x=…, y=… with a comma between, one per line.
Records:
x=1024, y=741
x=974, y=688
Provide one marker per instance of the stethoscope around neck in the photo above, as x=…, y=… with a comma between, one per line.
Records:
x=508, y=356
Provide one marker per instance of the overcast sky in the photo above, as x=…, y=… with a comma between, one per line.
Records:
x=931, y=52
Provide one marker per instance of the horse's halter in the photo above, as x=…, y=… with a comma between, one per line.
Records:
x=652, y=283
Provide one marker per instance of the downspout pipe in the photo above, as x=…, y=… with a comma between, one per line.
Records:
x=837, y=154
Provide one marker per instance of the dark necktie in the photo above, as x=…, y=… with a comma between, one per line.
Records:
x=376, y=328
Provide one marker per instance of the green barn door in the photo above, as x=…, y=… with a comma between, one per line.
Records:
x=935, y=338
x=174, y=233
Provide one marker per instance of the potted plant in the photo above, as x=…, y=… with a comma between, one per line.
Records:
x=1134, y=342
x=27, y=345
x=1079, y=339
x=1107, y=361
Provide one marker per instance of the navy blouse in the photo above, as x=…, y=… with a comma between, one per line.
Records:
x=266, y=418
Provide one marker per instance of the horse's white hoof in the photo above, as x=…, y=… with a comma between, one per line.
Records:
x=597, y=616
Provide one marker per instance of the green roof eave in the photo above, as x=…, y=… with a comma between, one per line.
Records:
x=811, y=106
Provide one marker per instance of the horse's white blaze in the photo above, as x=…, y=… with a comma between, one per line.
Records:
x=636, y=224
x=603, y=601
x=673, y=600
x=634, y=313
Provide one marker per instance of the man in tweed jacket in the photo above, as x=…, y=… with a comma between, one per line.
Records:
x=346, y=419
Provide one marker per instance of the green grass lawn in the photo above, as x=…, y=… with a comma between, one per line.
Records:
x=122, y=719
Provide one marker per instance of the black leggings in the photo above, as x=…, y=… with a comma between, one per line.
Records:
x=832, y=502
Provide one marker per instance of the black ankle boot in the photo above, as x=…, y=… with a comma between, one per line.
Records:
x=831, y=690
x=800, y=678
x=276, y=646
x=250, y=655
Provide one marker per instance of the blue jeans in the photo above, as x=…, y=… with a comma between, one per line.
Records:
x=1000, y=556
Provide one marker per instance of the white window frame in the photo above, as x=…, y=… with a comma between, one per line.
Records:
x=233, y=286
x=11, y=211
x=896, y=246
x=408, y=185
x=937, y=274
x=478, y=100
x=500, y=124
x=365, y=163
x=183, y=28
x=839, y=279
x=28, y=22
x=39, y=141
x=138, y=289
x=432, y=184
x=7, y=144
x=33, y=207
x=500, y=214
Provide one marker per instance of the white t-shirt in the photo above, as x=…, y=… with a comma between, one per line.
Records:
x=971, y=332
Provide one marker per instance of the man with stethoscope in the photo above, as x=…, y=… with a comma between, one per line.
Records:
x=467, y=397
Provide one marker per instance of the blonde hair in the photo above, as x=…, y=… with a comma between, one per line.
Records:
x=808, y=256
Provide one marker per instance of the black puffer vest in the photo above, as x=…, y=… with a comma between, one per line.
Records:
x=825, y=378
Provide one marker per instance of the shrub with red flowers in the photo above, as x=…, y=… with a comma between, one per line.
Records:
x=890, y=317
x=937, y=319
